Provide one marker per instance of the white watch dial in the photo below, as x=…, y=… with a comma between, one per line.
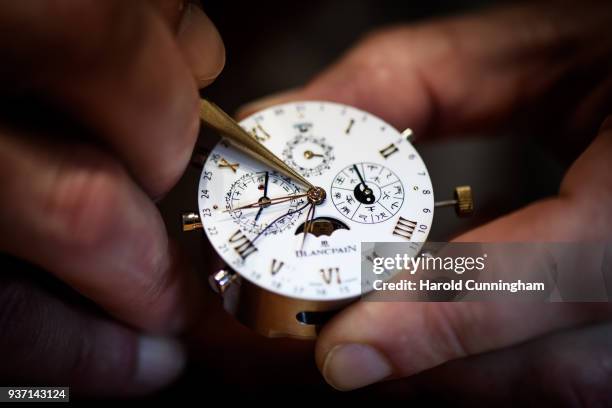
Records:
x=378, y=190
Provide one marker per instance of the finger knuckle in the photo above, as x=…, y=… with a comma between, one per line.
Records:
x=113, y=28
x=84, y=198
x=374, y=53
x=178, y=151
x=385, y=36
x=160, y=296
x=446, y=323
x=389, y=59
x=123, y=39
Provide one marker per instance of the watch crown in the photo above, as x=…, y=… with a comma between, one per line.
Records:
x=408, y=134
x=221, y=280
x=191, y=222
x=464, y=205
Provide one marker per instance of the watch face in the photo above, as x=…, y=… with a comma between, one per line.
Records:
x=378, y=190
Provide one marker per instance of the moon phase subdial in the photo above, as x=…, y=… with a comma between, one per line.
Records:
x=367, y=193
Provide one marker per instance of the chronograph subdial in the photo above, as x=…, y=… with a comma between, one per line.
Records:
x=309, y=155
x=266, y=217
x=367, y=193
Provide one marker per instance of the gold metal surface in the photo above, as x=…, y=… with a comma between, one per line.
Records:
x=465, y=201
x=321, y=226
x=217, y=119
x=274, y=315
x=226, y=164
x=266, y=202
x=191, y=222
x=309, y=154
x=316, y=195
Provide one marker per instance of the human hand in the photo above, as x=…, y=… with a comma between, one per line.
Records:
x=545, y=65
x=99, y=117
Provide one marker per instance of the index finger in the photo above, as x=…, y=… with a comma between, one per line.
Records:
x=470, y=72
x=114, y=67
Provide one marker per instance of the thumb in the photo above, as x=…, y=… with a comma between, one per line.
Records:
x=48, y=341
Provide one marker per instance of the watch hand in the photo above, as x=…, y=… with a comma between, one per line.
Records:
x=367, y=191
x=279, y=218
x=315, y=197
x=365, y=195
x=309, y=218
x=258, y=213
x=264, y=197
x=265, y=202
x=215, y=118
x=359, y=175
x=265, y=194
x=309, y=154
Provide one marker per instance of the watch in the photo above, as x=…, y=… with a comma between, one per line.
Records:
x=290, y=264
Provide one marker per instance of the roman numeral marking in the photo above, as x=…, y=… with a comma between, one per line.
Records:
x=404, y=228
x=242, y=244
x=259, y=133
x=389, y=150
x=276, y=266
x=328, y=275
x=225, y=163
x=350, y=125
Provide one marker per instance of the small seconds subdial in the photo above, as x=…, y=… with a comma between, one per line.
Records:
x=367, y=193
x=256, y=190
x=309, y=155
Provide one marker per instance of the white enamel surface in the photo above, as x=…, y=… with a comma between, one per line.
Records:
x=320, y=127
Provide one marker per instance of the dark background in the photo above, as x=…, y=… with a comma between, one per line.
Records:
x=272, y=46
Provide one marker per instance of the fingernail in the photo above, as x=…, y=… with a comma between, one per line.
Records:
x=264, y=102
x=350, y=366
x=160, y=361
x=201, y=44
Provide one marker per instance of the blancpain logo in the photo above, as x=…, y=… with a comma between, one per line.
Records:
x=326, y=251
